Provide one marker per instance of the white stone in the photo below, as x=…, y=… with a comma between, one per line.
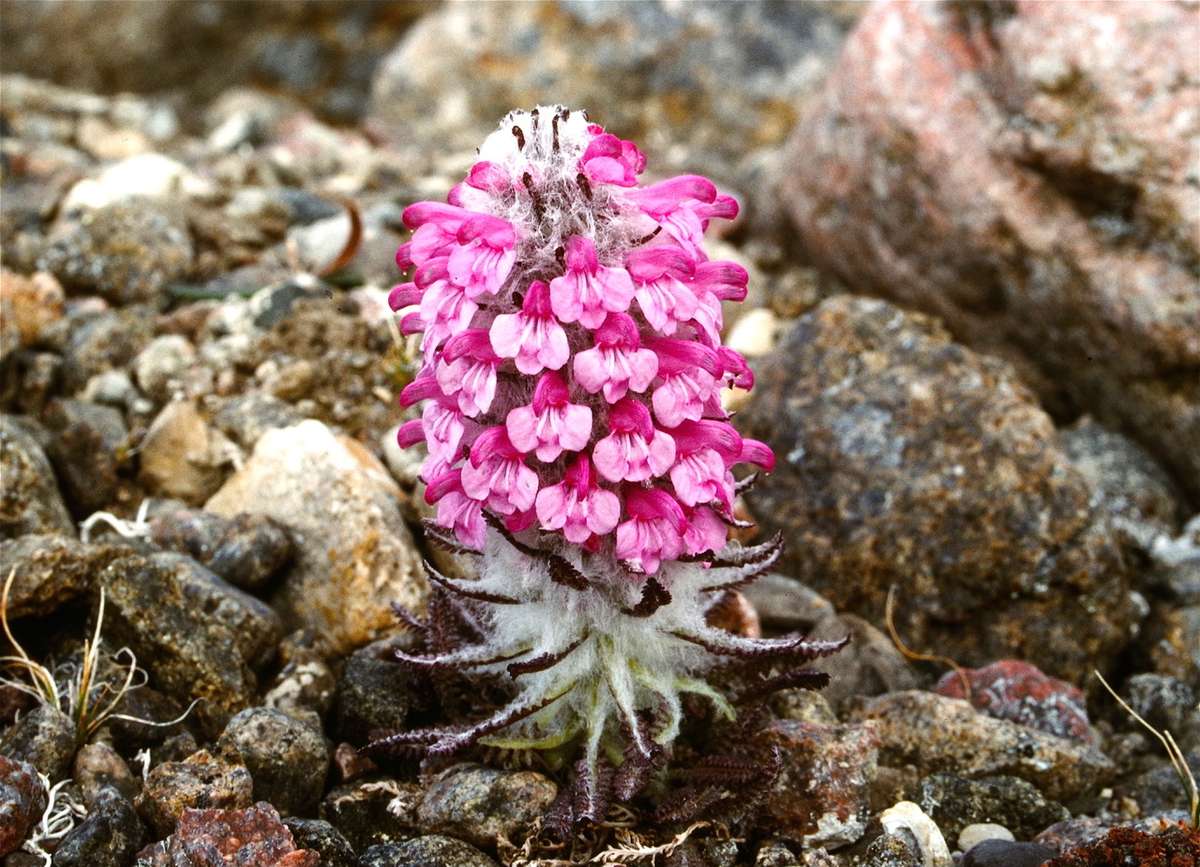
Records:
x=972, y=835
x=906, y=815
x=148, y=175
x=755, y=333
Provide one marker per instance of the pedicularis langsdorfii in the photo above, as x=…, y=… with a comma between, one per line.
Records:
x=571, y=333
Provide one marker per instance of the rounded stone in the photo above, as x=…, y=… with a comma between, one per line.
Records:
x=972, y=835
x=480, y=804
x=287, y=758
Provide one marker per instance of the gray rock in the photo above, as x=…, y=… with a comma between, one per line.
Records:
x=201, y=781
x=22, y=801
x=907, y=460
x=287, y=757
x=105, y=341
x=49, y=570
x=247, y=417
x=945, y=734
x=481, y=804
x=955, y=802
x=44, y=737
x=246, y=550
x=373, y=811
x=193, y=633
x=99, y=768
x=372, y=693
x=893, y=850
x=322, y=838
x=161, y=366
x=127, y=252
x=87, y=450
x=29, y=498
x=869, y=665
x=109, y=836
x=305, y=682
x=1005, y=853
x=784, y=603
x=184, y=457
x=1131, y=485
x=431, y=851
x=1163, y=701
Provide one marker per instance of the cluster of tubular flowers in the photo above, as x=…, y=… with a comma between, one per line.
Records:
x=570, y=328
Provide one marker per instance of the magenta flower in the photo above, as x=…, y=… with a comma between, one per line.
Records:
x=533, y=337
x=577, y=506
x=616, y=364
x=588, y=289
x=609, y=160
x=455, y=510
x=654, y=531
x=635, y=450
x=496, y=473
x=687, y=387
x=551, y=424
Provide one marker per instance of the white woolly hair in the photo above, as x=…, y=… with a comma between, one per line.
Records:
x=589, y=657
x=546, y=143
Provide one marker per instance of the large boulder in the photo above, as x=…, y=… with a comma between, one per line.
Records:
x=906, y=460
x=1026, y=171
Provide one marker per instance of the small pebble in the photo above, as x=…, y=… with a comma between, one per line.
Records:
x=972, y=835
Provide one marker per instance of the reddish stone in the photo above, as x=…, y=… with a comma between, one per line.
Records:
x=22, y=800
x=1014, y=690
x=1026, y=171
x=254, y=837
x=1177, y=847
x=822, y=793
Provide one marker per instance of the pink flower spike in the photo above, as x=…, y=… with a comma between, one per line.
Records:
x=477, y=191
x=496, y=473
x=616, y=364
x=588, y=289
x=658, y=273
x=654, y=531
x=705, y=531
x=577, y=507
x=404, y=256
x=635, y=451
x=467, y=371
x=423, y=387
x=551, y=424
x=609, y=160
x=485, y=255
x=532, y=337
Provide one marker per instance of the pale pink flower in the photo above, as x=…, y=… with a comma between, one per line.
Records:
x=467, y=371
x=577, y=506
x=485, y=255
x=705, y=530
x=551, y=424
x=683, y=206
x=658, y=274
x=616, y=364
x=687, y=388
x=496, y=473
x=588, y=289
x=704, y=451
x=533, y=337
x=635, y=450
x=654, y=531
